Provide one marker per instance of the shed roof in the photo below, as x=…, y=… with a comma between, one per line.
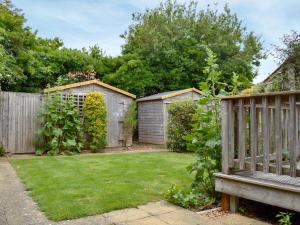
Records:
x=84, y=83
x=168, y=94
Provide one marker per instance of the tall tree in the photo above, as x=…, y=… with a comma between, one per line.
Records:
x=169, y=40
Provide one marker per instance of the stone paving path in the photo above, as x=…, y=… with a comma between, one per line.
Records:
x=17, y=208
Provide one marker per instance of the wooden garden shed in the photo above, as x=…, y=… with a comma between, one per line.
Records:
x=153, y=114
x=117, y=101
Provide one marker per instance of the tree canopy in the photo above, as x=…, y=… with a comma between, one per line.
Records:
x=170, y=41
x=165, y=49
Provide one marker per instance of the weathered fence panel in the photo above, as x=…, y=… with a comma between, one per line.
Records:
x=18, y=121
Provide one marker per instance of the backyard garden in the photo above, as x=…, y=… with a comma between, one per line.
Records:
x=82, y=130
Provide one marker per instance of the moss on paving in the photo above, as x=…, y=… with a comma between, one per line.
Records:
x=68, y=187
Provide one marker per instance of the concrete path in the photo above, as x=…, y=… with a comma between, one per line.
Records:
x=17, y=208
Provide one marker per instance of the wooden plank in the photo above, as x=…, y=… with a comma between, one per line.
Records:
x=278, y=135
x=266, y=134
x=261, y=191
x=225, y=137
x=292, y=135
x=230, y=134
x=241, y=136
x=253, y=134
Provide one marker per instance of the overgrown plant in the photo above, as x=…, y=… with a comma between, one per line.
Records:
x=61, y=130
x=191, y=199
x=284, y=218
x=129, y=123
x=205, y=137
x=95, y=120
x=180, y=115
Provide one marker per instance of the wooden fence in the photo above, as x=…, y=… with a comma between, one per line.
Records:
x=19, y=120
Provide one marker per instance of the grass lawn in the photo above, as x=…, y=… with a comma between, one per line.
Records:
x=68, y=187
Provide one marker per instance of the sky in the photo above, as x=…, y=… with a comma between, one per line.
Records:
x=82, y=23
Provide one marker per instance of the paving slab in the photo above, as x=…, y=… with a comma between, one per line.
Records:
x=183, y=217
x=147, y=221
x=157, y=208
x=125, y=215
x=236, y=219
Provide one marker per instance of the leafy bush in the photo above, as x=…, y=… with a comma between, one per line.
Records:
x=2, y=150
x=61, y=130
x=284, y=218
x=95, y=120
x=180, y=123
x=205, y=137
x=129, y=123
x=192, y=199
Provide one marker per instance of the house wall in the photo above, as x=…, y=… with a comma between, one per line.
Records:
x=153, y=118
x=117, y=105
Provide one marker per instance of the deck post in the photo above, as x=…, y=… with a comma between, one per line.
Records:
x=292, y=135
x=225, y=202
x=278, y=135
x=225, y=137
x=234, y=204
x=253, y=134
x=241, y=137
x=266, y=134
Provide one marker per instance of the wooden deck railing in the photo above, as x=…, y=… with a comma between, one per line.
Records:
x=261, y=133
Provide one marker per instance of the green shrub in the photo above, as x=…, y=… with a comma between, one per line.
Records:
x=61, y=130
x=192, y=199
x=180, y=122
x=129, y=123
x=285, y=218
x=95, y=120
x=2, y=150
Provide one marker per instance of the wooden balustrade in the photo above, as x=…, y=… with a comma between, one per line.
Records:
x=261, y=133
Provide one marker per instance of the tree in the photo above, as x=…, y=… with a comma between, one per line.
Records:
x=28, y=63
x=134, y=76
x=169, y=41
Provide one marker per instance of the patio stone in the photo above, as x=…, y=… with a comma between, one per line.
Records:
x=147, y=221
x=157, y=208
x=125, y=215
x=236, y=219
x=184, y=217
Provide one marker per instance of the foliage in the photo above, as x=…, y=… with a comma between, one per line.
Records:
x=95, y=120
x=169, y=41
x=130, y=122
x=180, y=115
x=288, y=53
x=284, y=218
x=134, y=76
x=205, y=137
x=101, y=183
x=2, y=150
x=61, y=130
x=28, y=63
x=192, y=199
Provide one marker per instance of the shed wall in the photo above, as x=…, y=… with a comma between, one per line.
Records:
x=151, y=122
x=117, y=105
x=153, y=118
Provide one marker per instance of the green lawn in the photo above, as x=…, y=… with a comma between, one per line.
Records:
x=68, y=187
